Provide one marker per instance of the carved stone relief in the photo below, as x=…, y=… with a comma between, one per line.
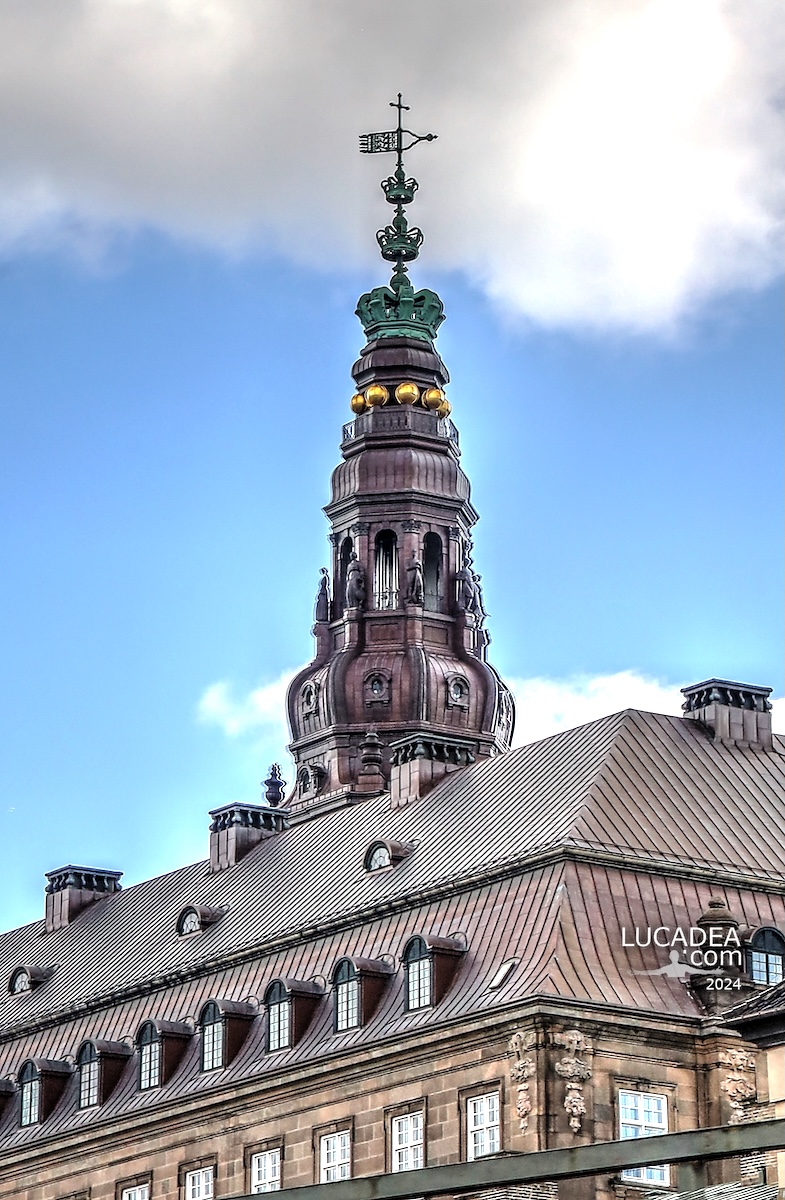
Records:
x=574, y=1070
x=522, y=1068
x=739, y=1084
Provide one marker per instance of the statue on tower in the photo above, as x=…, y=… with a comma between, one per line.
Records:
x=323, y=598
x=415, y=580
x=356, y=590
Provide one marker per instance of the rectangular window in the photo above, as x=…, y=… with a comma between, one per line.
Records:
x=150, y=1065
x=482, y=1125
x=212, y=1045
x=278, y=1035
x=766, y=968
x=407, y=1142
x=31, y=1091
x=140, y=1191
x=335, y=1157
x=199, y=1184
x=88, y=1083
x=643, y=1114
x=266, y=1171
x=347, y=1005
x=418, y=983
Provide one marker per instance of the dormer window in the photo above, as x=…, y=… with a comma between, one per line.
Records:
x=278, y=1016
x=430, y=964
x=197, y=917
x=89, y=1067
x=212, y=1024
x=767, y=956
x=100, y=1065
x=419, y=974
x=161, y=1045
x=224, y=1025
x=347, y=996
x=358, y=985
x=30, y=1089
x=25, y=979
x=383, y=854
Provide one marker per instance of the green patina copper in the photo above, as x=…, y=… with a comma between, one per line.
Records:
x=397, y=310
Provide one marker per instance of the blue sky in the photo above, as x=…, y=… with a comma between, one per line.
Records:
x=176, y=337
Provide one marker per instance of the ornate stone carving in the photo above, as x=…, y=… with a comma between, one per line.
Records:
x=322, y=597
x=522, y=1068
x=356, y=591
x=360, y=528
x=415, y=580
x=412, y=526
x=574, y=1070
x=739, y=1084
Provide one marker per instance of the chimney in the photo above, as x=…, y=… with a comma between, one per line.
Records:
x=420, y=761
x=736, y=714
x=70, y=889
x=237, y=828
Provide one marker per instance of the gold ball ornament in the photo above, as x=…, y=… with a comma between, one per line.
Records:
x=357, y=404
x=433, y=398
x=444, y=409
x=376, y=394
x=407, y=393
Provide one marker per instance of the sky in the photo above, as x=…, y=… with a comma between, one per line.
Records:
x=185, y=227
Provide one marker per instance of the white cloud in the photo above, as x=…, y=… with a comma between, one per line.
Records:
x=260, y=713
x=611, y=164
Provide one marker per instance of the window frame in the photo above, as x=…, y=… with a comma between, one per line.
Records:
x=484, y=1090
x=30, y=1095
x=417, y=960
x=199, y=1166
x=257, y=1186
x=630, y=1174
x=347, y=984
x=341, y=1163
x=418, y=1106
x=274, y=1145
x=88, y=1062
x=148, y=1039
x=771, y=962
x=217, y=1021
x=129, y=1189
x=278, y=1003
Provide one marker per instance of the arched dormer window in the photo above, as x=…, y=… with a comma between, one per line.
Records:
x=100, y=1065
x=89, y=1067
x=224, y=1025
x=430, y=964
x=41, y=1083
x=384, y=853
x=358, y=985
x=767, y=956
x=432, y=571
x=279, y=1025
x=161, y=1045
x=196, y=917
x=30, y=1089
x=385, y=572
x=212, y=1024
x=26, y=979
x=419, y=974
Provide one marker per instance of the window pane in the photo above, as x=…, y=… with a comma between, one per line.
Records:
x=88, y=1084
x=418, y=973
x=266, y=1171
x=335, y=1157
x=212, y=1045
x=279, y=1025
x=30, y=1095
x=140, y=1192
x=482, y=1124
x=199, y=1184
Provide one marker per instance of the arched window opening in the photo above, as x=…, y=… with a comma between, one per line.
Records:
x=212, y=1025
x=347, y=997
x=419, y=974
x=378, y=857
x=20, y=982
x=30, y=1087
x=149, y=1057
x=767, y=957
x=432, y=571
x=339, y=599
x=279, y=1023
x=385, y=577
x=89, y=1066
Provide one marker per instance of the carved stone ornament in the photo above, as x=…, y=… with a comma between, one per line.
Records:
x=522, y=1067
x=574, y=1070
x=739, y=1084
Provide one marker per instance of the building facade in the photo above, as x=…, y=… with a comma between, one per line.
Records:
x=435, y=948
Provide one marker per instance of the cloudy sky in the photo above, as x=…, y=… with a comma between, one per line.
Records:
x=185, y=226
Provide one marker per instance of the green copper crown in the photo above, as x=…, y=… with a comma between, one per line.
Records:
x=397, y=310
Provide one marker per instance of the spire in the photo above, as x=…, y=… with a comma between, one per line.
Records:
x=397, y=310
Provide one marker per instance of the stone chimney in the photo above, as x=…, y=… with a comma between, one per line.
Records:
x=71, y=889
x=735, y=714
x=421, y=761
x=237, y=828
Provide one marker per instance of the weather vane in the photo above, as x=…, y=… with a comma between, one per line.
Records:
x=398, y=243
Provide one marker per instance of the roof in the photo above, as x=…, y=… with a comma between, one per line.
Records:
x=543, y=855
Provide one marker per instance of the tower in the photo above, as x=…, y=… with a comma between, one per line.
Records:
x=400, y=691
